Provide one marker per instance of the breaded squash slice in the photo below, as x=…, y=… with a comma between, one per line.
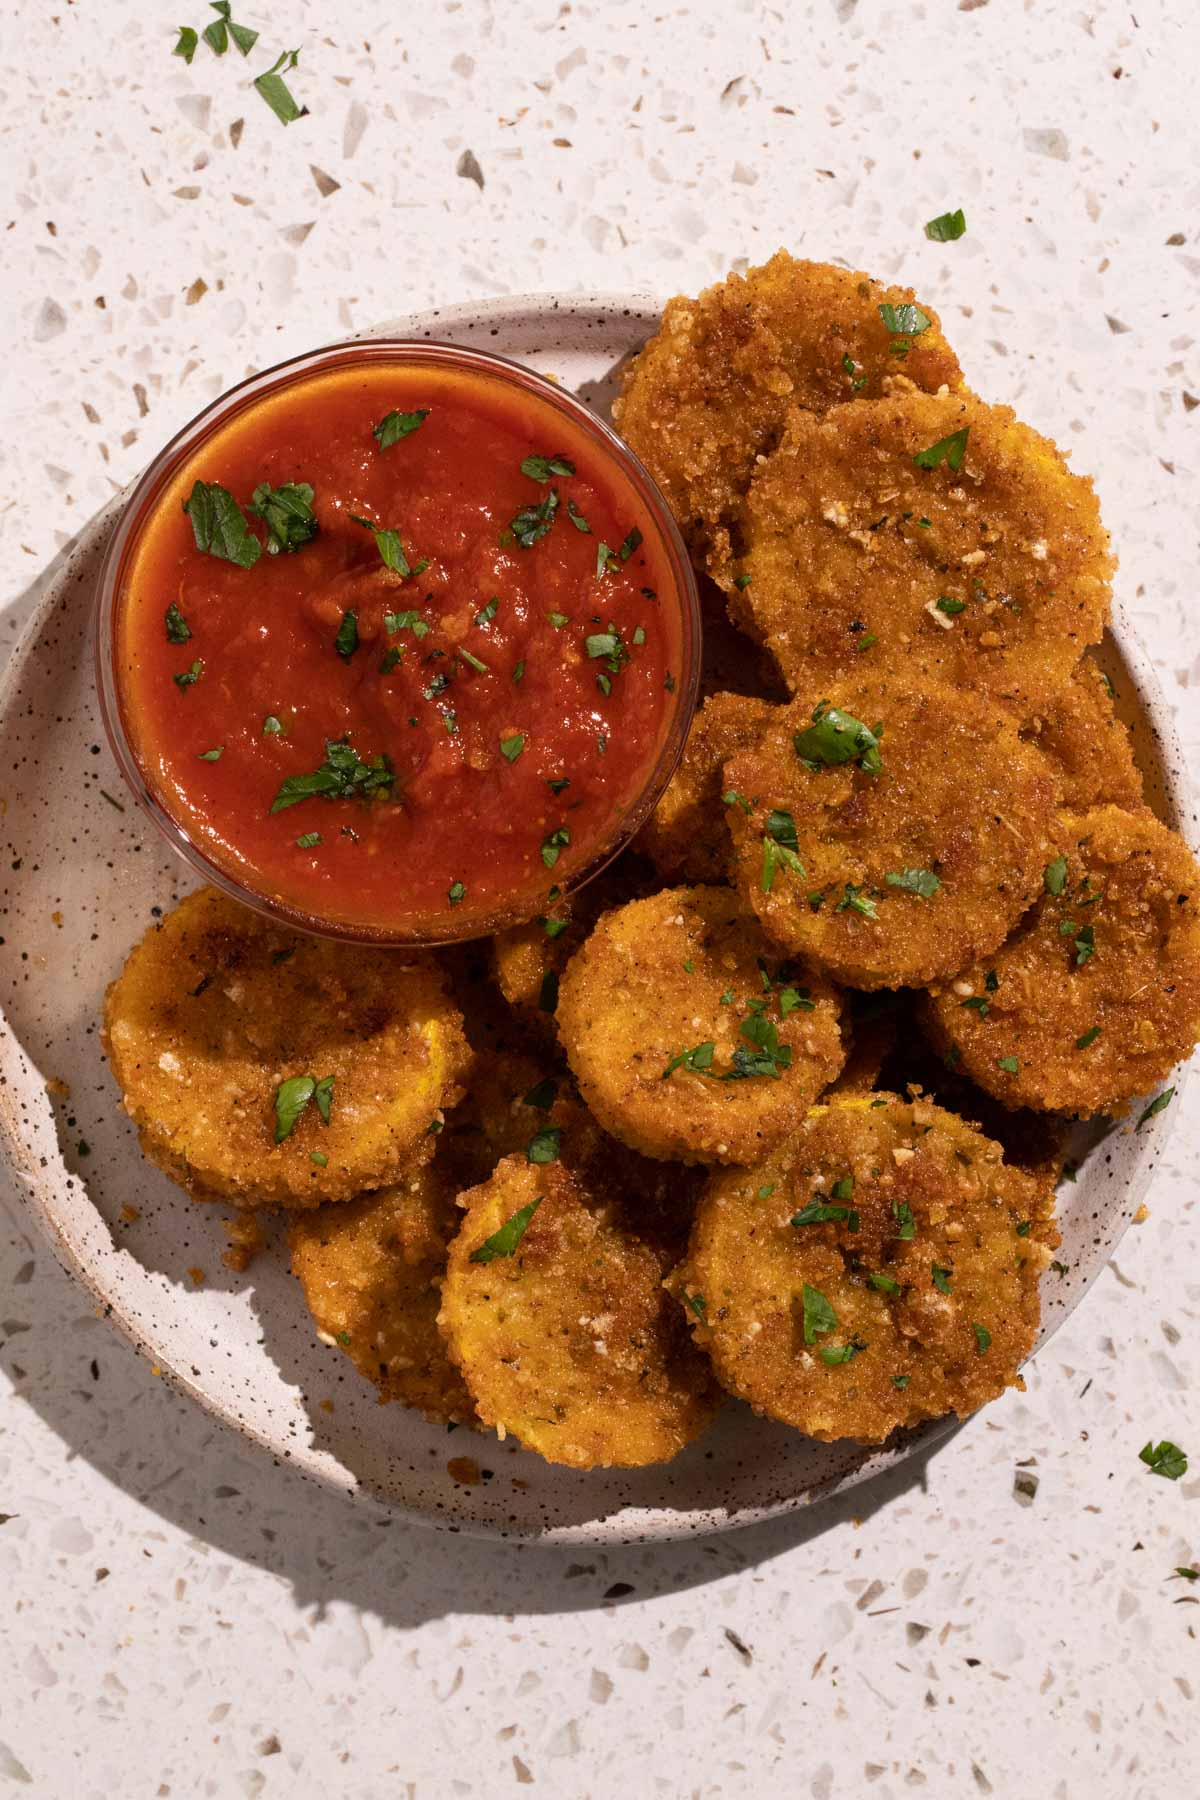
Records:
x=686, y=837
x=371, y=1272
x=923, y=532
x=880, y=1270
x=1088, y=748
x=1096, y=995
x=708, y=394
x=891, y=831
x=689, y=1038
x=529, y=959
x=268, y=1068
x=555, y=1310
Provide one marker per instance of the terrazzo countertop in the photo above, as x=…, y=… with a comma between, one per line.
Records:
x=1000, y=1617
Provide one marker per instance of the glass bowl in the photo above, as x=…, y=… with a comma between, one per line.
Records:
x=678, y=596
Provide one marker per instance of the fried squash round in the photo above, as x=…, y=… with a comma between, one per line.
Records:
x=555, y=1311
x=908, y=858
x=991, y=569
x=879, y=1271
x=371, y=1272
x=1086, y=745
x=708, y=394
x=688, y=1038
x=218, y=1007
x=686, y=836
x=1096, y=995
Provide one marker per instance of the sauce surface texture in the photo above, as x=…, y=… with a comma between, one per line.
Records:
x=432, y=686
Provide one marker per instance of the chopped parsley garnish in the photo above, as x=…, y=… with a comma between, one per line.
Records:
x=699, y=1306
x=187, y=44
x=833, y=1354
x=541, y=468
x=548, y=992
x=472, y=662
x=218, y=31
x=322, y=1161
x=308, y=841
x=390, y=548
x=906, y=1225
x=405, y=621
x=843, y=1187
x=341, y=776
x=950, y=607
x=793, y=999
x=780, y=844
x=1165, y=1459
x=851, y=368
x=1156, y=1106
x=542, y=1096
x=213, y=755
x=273, y=727
x=698, y=1060
x=1088, y=1037
x=1054, y=876
x=941, y=1278
x=949, y=450
x=767, y=1057
x=1024, y=1227
x=275, y=90
x=390, y=658
x=947, y=227
x=511, y=747
x=837, y=737
x=922, y=882
x=178, y=629
x=1009, y=1064
x=907, y=320
x=901, y=1381
x=732, y=798
x=629, y=543
x=543, y=1146
x=505, y=1241
x=766, y=1190
x=557, y=841
x=487, y=613
x=817, y=1212
x=983, y=1338
x=518, y=673
x=219, y=525
x=533, y=522
x=855, y=899
x=865, y=643
x=1085, y=945
x=819, y=1316
x=742, y=581
x=346, y=641
x=287, y=513
x=456, y=893
x=576, y=517
x=396, y=425
x=884, y=1283
x=187, y=678
x=293, y=1096
x=556, y=784
x=606, y=646
x=978, y=1003
x=553, y=927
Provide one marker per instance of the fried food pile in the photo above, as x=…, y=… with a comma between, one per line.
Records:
x=774, y=1106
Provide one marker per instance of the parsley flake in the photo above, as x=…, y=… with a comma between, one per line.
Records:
x=396, y=425
x=342, y=775
x=949, y=450
x=922, y=882
x=819, y=1316
x=219, y=525
x=1054, y=876
x=288, y=514
x=541, y=468
x=947, y=227
x=505, y=1241
x=1156, y=1106
x=836, y=737
x=1165, y=1459
x=275, y=91
x=544, y=1145
x=178, y=629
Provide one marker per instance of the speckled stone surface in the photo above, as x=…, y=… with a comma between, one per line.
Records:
x=1002, y=1617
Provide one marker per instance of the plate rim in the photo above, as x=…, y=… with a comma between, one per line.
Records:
x=654, y=1525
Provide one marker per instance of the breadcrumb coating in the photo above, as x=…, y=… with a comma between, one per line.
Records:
x=991, y=569
x=709, y=392
x=1096, y=995
x=878, y=1271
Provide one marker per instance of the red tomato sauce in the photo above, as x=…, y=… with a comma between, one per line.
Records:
x=481, y=724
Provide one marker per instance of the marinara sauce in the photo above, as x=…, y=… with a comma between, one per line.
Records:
x=399, y=646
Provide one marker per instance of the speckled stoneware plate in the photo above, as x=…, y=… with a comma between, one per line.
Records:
x=85, y=875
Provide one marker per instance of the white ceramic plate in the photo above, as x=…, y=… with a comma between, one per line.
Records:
x=85, y=875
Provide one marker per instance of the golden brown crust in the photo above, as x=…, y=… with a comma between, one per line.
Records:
x=371, y=1270
x=848, y=546
x=1088, y=748
x=709, y=392
x=952, y=1341
x=1130, y=991
x=687, y=971
x=571, y=1342
x=958, y=796
x=217, y=1006
x=686, y=837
